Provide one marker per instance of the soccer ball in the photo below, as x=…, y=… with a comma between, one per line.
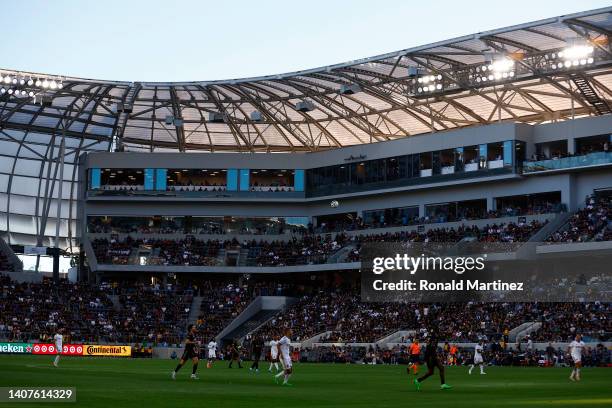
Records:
x=334, y=204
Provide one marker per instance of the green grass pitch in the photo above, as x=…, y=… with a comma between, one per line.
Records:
x=146, y=383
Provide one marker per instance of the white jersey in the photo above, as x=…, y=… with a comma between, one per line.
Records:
x=576, y=348
x=212, y=349
x=478, y=354
x=58, y=339
x=273, y=349
x=285, y=345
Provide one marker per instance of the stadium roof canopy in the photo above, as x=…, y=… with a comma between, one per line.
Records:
x=362, y=101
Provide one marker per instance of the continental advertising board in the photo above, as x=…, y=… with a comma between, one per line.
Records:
x=107, y=350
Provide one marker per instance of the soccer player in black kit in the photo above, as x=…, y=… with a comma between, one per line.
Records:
x=235, y=354
x=432, y=361
x=257, y=348
x=192, y=352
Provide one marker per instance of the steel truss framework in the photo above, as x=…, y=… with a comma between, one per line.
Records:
x=383, y=109
x=103, y=115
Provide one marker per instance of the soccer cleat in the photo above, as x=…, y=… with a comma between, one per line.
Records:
x=445, y=387
x=174, y=375
x=275, y=379
x=194, y=377
x=482, y=373
x=418, y=384
x=286, y=384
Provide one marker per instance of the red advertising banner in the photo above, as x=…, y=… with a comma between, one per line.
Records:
x=72, y=349
x=41, y=348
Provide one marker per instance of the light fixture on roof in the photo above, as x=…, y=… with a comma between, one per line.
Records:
x=413, y=72
x=20, y=85
x=256, y=116
x=495, y=68
x=349, y=89
x=215, y=117
x=576, y=55
x=304, y=106
x=427, y=84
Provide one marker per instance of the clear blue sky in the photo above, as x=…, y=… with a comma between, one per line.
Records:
x=205, y=40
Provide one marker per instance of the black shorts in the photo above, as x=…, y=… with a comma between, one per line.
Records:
x=415, y=358
x=432, y=362
x=189, y=354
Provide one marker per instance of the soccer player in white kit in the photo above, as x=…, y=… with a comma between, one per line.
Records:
x=58, y=339
x=212, y=353
x=273, y=355
x=284, y=346
x=478, y=360
x=575, y=350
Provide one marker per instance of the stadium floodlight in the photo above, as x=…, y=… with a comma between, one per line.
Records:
x=426, y=84
x=573, y=56
x=28, y=86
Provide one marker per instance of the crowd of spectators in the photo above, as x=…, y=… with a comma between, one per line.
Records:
x=145, y=313
x=592, y=223
x=309, y=249
x=303, y=250
x=151, y=313
x=565, y=320
x=341, y=317
x=34, y=310
x=496, y=354
x=154, y=314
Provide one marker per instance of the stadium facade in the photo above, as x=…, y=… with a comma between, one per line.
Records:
x=510, y=127
x=356, y=103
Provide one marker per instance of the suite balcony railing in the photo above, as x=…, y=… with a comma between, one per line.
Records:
x=426, y=176
x=587, y=160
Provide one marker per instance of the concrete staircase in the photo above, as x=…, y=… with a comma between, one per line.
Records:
x=395, y=337
x=341, y=254
x=253, y=323
x=116, y=303
x=194, y=310
x=12, y=259
x=258, y=312
x=522, y=330
x=243, y=257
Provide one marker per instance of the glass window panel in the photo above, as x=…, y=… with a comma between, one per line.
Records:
x=28, y=168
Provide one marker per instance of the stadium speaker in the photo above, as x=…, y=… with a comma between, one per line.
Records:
x=350, y=89
x=215, y=117
x=413, y=72
x=169, y=120
x=178, y=122
x=304, y=106
x=46, y=100
x=256, y=116
x=128, y=108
